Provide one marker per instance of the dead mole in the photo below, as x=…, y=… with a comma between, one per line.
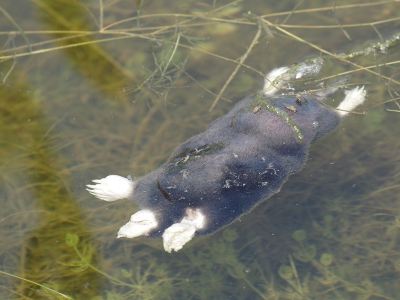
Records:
x=242, y=159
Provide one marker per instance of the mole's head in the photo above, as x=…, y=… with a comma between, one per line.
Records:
x=304, y=113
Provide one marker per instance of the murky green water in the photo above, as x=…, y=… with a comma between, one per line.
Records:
x=78, y=104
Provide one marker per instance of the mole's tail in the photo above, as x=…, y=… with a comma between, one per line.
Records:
x=112, y=188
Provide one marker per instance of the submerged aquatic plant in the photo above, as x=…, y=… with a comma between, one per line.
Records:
x=304, y=252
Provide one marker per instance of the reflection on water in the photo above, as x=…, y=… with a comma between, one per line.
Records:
x=73, y=109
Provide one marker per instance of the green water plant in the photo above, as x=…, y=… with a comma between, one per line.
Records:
x=85, y=254
x=326, y=259
x=290, y=275
x=46, y=290
x=139, y=280
x=326, y=226
x=303, y=252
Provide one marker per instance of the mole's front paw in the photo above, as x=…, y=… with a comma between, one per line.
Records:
x=354, y=98
x=111, y=188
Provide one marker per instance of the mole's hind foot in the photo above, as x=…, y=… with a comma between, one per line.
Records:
x=178, y=234
x=141, y=223
x=111, y=188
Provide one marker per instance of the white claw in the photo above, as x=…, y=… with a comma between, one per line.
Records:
x=354, y=98
x=141, y=223
x=178, y=234
x=111, y=188
x=272, y=83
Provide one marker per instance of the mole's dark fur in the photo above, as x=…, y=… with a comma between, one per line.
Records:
x=240, y=160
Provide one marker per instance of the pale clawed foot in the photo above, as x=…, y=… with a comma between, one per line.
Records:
x=354, y=98
x=272, y=82
x=177, y=235
x=111, y=188
x=141, y=223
